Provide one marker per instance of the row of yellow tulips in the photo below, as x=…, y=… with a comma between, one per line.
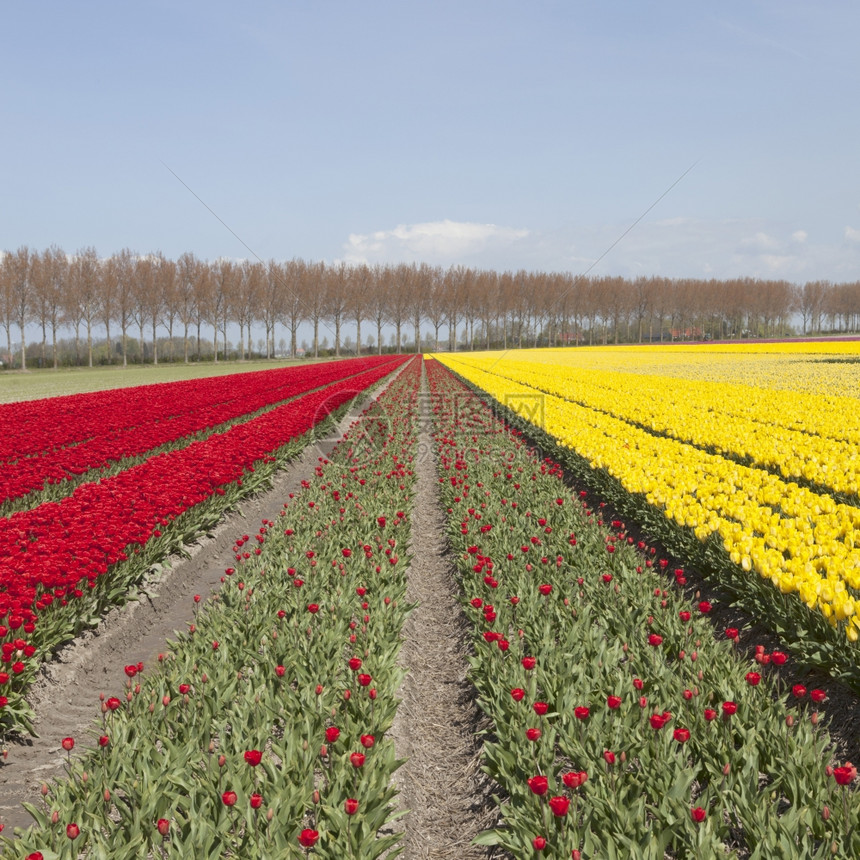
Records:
x=803, y=542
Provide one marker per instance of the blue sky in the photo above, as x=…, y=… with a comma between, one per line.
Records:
x=483, y=132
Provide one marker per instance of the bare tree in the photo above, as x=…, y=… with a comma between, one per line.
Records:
x=313, y=293
x=188, y=270
x=378, y=304
x=22, y=295
x=171, y=298
x=7, y=298
x=294, y=313
x=50, y=288
x=335, y=298
x=83, y=300
x=118, y=276
x=204, y=299
x=246, y=291
x=360, y=289
x=809, y=301
x=271, y=302
x=434, y=303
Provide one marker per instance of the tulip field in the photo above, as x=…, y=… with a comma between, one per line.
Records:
x=763, y=479
x=60, y=559
x=618, y=720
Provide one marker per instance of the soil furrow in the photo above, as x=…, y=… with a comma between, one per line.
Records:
x=441, y=784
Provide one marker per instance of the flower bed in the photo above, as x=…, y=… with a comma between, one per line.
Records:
x=262, y=732
x=781, y=549
x=86, y=432
x=622, y=724
x=65, y=562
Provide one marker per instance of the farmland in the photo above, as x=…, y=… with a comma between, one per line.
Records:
x=647, y=555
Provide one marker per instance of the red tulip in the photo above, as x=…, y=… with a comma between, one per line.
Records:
x=308, y=838
x=538, y=784
x=846, y=774
x=574, y=779
x=559, y=806
x=253, y=757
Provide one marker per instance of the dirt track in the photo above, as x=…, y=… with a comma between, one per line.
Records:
x=435, y=727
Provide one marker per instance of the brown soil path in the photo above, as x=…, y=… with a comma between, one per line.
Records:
x=435, y=728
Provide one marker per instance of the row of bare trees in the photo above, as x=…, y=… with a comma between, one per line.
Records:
x=152, y=299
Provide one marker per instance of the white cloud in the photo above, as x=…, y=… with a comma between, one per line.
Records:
x=433, y=242
x=675, y=247
x=760, y=243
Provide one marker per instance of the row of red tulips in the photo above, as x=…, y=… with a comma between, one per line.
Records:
x=34, y=426
x=111, y=426
x=64, y=563
x=623, y=724
x=262, y=732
